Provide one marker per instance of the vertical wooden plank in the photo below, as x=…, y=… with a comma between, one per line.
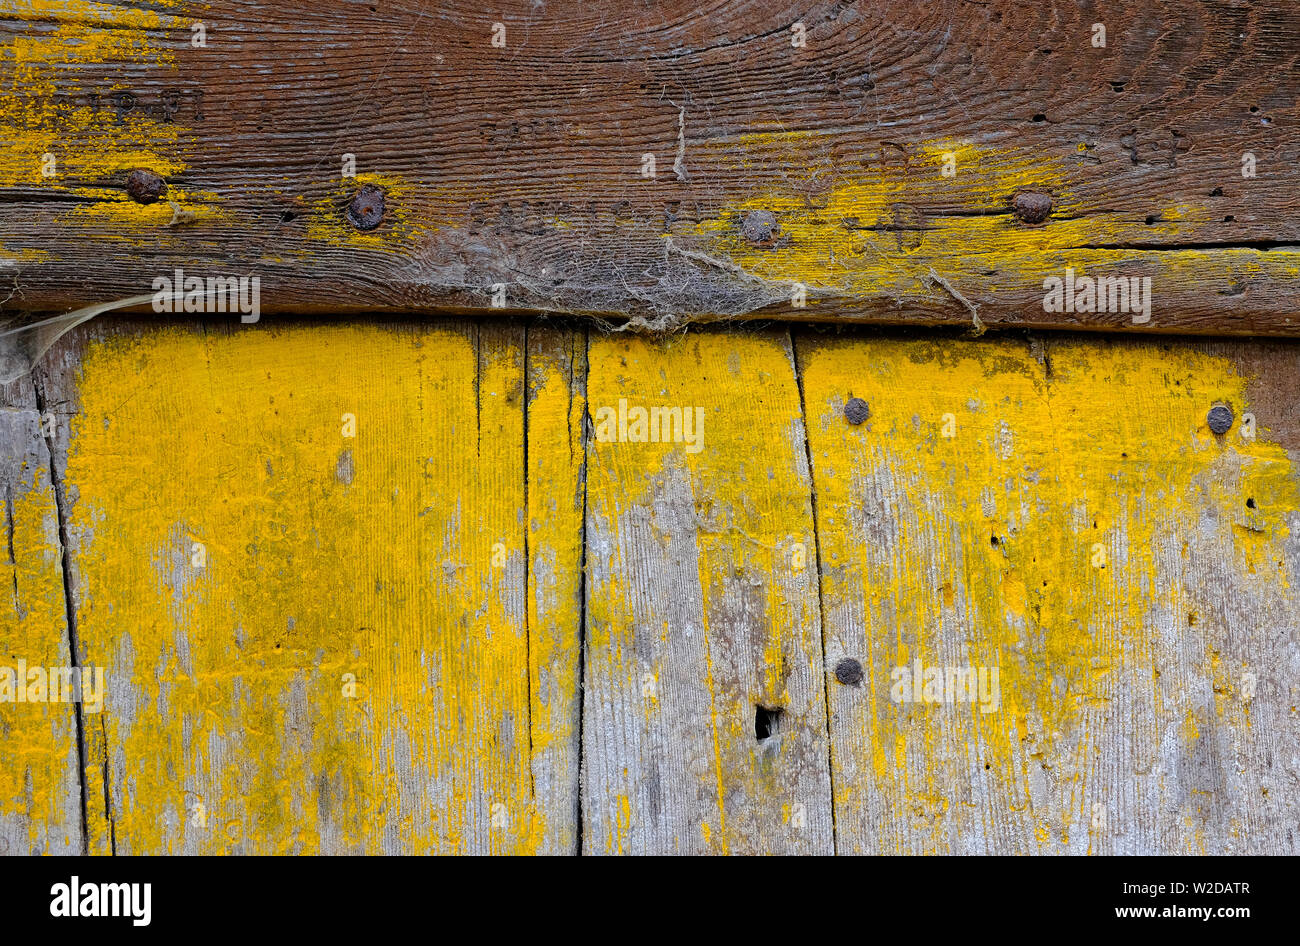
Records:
x=557, y=370
x=1062, y=514
x=701, y=605
x=301, y=552
x=40, y=783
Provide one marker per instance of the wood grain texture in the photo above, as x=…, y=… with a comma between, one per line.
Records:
x=555, y=449
x=311, y=587
x=702, y=607
x=521, y=165
x=562, y=640
x=40, y=783
x=1060, y=513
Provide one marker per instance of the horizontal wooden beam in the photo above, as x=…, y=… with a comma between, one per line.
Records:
x=899, y=162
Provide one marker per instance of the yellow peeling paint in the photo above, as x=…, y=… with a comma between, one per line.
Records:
x=396, y=556
x=825, y=214
x=695, y=612
x=49, y=78
x=39, y=797
x=1121, y=527
x=328, y=224
x=1059, y=513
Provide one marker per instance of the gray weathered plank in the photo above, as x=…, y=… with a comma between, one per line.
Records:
x=1060, y=512
x=40, y=781
x=702, y=608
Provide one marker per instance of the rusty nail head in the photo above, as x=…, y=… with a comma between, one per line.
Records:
x=1032, y=206
x=849, y=672
x=1219, y=418
x=366, y=210
x=144, y=186
x=856, y=411
x=759, y=226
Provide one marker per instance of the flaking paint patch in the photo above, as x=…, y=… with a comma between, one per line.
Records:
x=44, y=111
x=1067, y=562
x=327, y=222
x=39, y=802
x=236, y=694
x=696, y=614
x=881, y=230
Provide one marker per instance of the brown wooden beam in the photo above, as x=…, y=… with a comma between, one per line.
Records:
x=896, y=162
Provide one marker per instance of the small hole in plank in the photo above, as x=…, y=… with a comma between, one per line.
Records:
x=767, y=722
x=1250, y=504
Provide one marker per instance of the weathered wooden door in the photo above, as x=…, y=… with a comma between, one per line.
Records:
x=412, y=508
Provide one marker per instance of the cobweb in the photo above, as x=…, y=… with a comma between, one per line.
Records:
x=24, y=339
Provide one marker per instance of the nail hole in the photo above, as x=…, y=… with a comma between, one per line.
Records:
x=1254, y=108
x=993, y=540
x=1250, y=504
x=1229, y=218
x=767, y=722
x=1040, y=117
x=1217, y=192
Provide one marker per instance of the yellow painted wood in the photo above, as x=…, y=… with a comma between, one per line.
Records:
x=1069, y=520
x=1057, y=511
x=702, y=606
x=557, y=367
x=40, y=802
x=842, y=244
x=302, y=559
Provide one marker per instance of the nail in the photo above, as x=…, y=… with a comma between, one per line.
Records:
x=144, y=186
x=367, y=208
x=849, y=672
x=1219, y=418
x=1032, y=206
x=856, y=411
x=759, y=226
